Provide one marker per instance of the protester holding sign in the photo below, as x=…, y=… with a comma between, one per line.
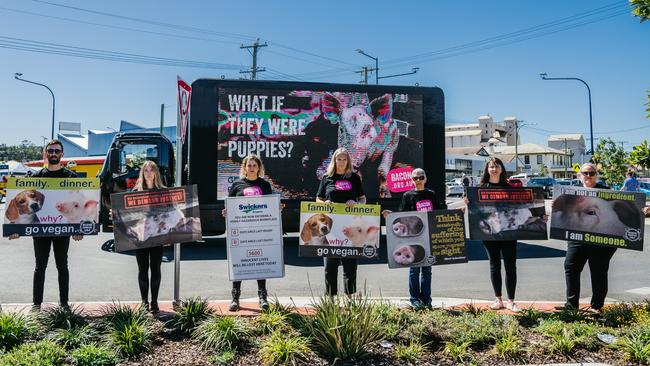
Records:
x=578, y=254
x=249, y=184
x=149, y=258
x=340, y=185
x=494, y=175
x=52, y=153
x=418, y=199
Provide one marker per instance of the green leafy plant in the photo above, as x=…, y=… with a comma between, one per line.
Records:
x=62, y=317
x=530, y=317
x=509, y=347
x=281, y=349
x=409, y=352
x=191, y=312
x=473, y=309
x=222, y=333
x=457, y=351
x=14, y=329
x=223, y=358
x=619, y=315
x=636, y=346
x=343, y=329
x=43, y=353
x=118, y=316
x=93, y=355
x=270, y=321
x=131, y=339
x=563, y=343
x=570, y=316
x=74, y=337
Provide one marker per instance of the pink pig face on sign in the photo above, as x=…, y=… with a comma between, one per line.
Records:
x=253, y=191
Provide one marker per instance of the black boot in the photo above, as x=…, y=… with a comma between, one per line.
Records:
x=234, y=304
x=264, y=303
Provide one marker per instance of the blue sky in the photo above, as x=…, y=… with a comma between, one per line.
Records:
x=611, y=54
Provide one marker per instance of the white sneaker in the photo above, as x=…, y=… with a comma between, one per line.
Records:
x=497, y=304
x=510, y=305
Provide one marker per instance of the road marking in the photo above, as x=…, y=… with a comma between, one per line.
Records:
x=640, y=291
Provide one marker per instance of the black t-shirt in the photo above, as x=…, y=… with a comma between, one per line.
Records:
x=489, y=184
x=339, y=188
x=245, y=187
x=61, y=173
x=424, y=200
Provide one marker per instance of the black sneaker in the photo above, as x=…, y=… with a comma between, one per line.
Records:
x=154, y=307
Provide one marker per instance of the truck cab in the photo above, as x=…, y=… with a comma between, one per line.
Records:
x=121, y=169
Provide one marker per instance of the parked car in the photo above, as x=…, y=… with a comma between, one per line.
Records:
x=568, y=182
x=546, y=183
x=645, y=188
x=454, y=189
x=516, y=182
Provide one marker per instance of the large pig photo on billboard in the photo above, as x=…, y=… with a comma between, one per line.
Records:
x=295, y=133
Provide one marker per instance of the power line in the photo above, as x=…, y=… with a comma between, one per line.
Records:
x=82, y=52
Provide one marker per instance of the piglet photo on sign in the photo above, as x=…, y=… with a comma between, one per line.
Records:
x=153, y=218
x=335, y=230
x=506, y=213
x=597, y=216
x=419, y=239
x=51, y=207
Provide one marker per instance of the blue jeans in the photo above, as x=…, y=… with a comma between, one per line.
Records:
x=420, y=287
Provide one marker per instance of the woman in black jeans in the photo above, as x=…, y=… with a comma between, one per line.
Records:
x=249, y=183
x=149, y=258
x=340, y=185
x=494, y=175
x=578, y=254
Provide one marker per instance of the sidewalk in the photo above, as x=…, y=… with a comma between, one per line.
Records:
x=303, y=305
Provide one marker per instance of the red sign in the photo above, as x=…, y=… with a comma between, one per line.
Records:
x=184, y=95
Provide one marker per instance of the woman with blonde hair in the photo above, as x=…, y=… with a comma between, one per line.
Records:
x=149, y=258
x=340, y=185
x=249, y=183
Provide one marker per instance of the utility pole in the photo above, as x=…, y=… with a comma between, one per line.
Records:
x=516, y=146
x=162, y=117
x=566, y=168
x=253, y=70
x=364, y=74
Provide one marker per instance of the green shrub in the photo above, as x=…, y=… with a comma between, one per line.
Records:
x=94, y=355
x=222, y=333
x=571, y=315
x=530, y=317
x=118, y=316
x=62, y=317
x=271, y=320
x=620, y=315
x=14, y=329
x=43, y=353
x=509, y=347
x=472, y=309
x=457, y=351
x=281, y=349
x=75, y=337
x=563, y=343
x=223, y=358
x=131, y=339
x=191, y=312
x=636, y=346
x=410, y=353
x=343, y=329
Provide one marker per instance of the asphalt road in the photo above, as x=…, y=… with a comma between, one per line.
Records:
x=96, y=275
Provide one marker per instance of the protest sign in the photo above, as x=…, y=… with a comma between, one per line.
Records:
x=335, y=230
x=506, y=213
x=419, y=239
x=254, y=237
x=51, y=207
x=598, y=216
x=151, y=218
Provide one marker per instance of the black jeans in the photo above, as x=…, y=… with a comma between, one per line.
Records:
x=332, y=273
x=42, y=254
x=577, y=255
x=261, y=285
x=149, y=258
x=508, y=251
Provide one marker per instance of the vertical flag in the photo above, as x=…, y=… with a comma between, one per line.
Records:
x=184, y=95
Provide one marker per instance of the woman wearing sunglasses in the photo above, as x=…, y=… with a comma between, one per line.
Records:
x=419, y=199
x=578, y=254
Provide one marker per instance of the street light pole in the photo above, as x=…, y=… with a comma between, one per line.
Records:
x=376, y=64
x=18, y=75
x=544, y=76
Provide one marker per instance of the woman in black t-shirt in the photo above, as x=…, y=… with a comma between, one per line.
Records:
x=340, y=185
x=494, y=175
x=249, y=184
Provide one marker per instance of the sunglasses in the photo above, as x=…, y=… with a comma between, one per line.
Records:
x=422, y=177
x=589, y=174
x=54, y=151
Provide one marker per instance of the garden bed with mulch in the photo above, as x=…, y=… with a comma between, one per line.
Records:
x=352, y=332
